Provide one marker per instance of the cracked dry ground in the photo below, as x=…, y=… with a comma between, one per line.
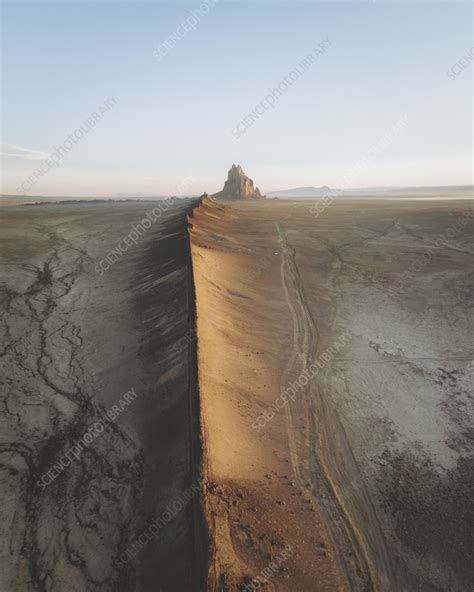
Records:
x=366, y=475
x=72, y=342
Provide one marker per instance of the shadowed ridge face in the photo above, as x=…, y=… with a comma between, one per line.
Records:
x=238, y=186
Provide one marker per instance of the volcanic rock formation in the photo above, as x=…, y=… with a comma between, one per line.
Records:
x=238, y=185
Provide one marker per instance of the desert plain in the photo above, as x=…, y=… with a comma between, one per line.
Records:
x=301, y=407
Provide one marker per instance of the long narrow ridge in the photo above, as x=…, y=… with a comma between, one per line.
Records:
x=199, y=527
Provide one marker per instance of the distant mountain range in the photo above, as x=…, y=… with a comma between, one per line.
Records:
x=318, y=192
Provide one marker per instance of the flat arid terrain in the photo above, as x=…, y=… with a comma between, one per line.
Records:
x=242, y=394
x=88, y=335
x=335, y=359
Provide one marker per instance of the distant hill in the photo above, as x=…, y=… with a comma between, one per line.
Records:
x=299, y=192
x=317, y=192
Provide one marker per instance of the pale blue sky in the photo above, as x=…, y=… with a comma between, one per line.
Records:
x=174, y=117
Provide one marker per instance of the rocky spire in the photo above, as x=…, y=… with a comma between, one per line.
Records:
x=238, y=185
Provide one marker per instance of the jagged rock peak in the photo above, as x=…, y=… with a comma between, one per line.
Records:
x=238, y=185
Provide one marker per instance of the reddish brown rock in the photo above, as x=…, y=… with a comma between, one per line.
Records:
x=238, y=186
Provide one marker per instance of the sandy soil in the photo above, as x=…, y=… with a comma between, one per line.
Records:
x=366, y=472
x=73, y=341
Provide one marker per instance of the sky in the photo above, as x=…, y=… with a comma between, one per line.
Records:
x=172, y=85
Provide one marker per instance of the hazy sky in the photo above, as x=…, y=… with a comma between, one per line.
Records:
x=173, y=118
